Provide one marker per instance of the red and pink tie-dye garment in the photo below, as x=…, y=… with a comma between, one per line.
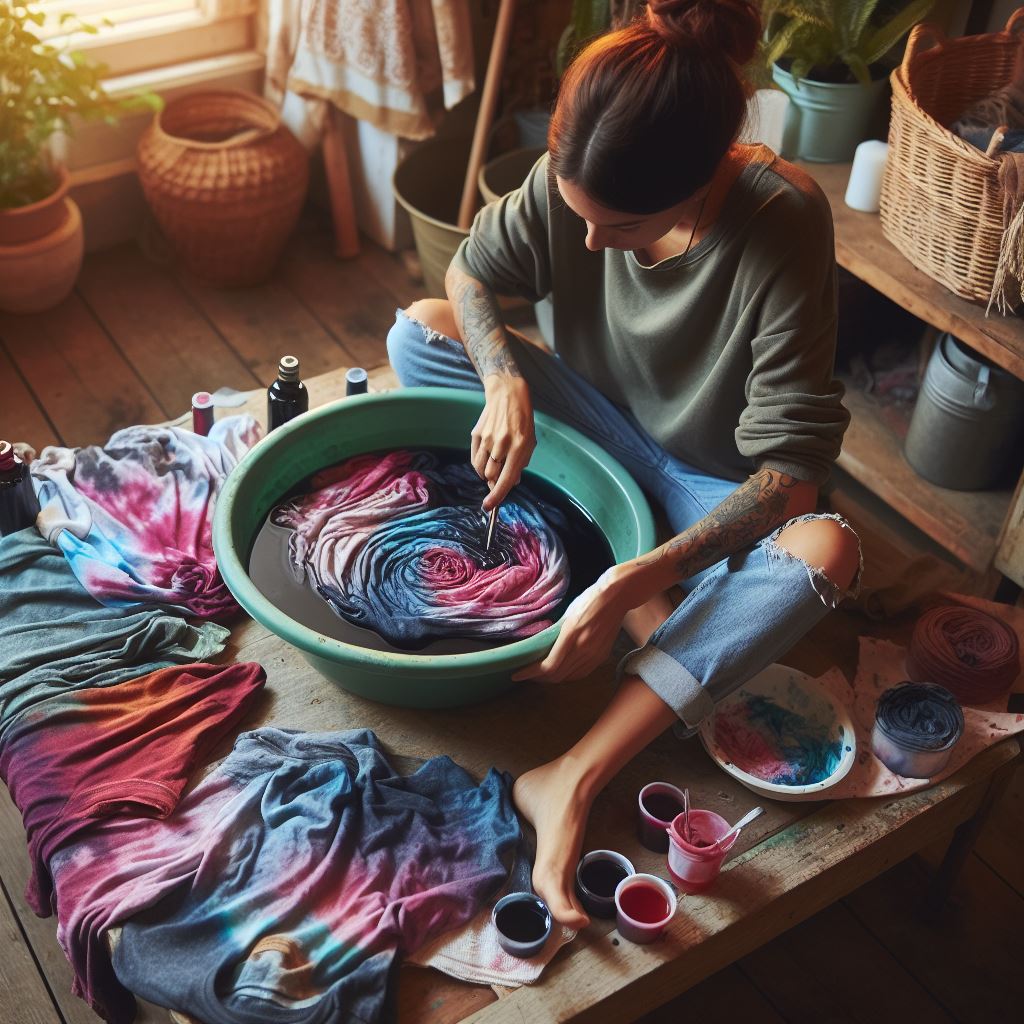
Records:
x=135, y=517
x=117, y=751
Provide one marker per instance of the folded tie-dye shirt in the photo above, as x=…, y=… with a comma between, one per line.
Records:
x=56, y=638
x=396, y=543
x=285, y=884
x=135, y=517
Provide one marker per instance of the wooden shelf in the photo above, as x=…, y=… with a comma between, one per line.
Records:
x=862, y=249
x=965, y=523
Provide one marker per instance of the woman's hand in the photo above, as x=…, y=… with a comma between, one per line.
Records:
x=503, y=439
x=589, y=629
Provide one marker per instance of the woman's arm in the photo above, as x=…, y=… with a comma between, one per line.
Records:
x=503, y=439
x=764, y=502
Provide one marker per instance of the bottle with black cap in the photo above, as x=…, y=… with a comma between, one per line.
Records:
x=19, y=505
x=287, y=397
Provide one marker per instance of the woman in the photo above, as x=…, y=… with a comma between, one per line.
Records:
x=694, y=294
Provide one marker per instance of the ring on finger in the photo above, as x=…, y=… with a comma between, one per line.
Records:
x=493, y=459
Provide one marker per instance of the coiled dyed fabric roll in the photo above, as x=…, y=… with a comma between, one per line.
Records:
x=395, y=543
x=974, y=655
x=916, y=727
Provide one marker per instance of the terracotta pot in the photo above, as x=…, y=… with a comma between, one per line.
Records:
x=40, y=252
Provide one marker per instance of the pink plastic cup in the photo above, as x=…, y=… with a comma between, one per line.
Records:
x=695, y=865
x=644, y=905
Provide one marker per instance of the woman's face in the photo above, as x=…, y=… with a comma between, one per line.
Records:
x=611, y=229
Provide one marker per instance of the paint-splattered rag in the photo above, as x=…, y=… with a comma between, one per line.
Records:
x=134, y=518
x=284, y=886
x=395, y=543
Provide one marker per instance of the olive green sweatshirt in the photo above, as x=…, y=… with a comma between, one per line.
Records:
x=725, y=355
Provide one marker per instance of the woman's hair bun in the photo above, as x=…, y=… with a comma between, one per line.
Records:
x=731, y=27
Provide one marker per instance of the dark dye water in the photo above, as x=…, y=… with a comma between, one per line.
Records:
x=587, y=551
x=644, y=903
x=521, y=921
x=601, y=877
x=662, y=806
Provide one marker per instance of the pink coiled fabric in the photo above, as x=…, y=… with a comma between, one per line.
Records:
x=973, y=655
x=395, y=543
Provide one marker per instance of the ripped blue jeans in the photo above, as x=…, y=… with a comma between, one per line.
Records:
x=737, y=616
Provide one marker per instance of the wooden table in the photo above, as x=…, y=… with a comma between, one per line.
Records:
x=793, y=861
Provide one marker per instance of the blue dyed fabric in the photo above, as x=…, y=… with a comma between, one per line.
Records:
x=295, y=875
x=55, y=637
x=396, y=543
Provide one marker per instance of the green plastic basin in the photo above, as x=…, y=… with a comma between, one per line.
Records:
x=417, y=417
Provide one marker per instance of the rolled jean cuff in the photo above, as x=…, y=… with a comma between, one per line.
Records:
x=672, y=682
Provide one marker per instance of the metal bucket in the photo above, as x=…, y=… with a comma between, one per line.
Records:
x=428, y=185
x=506, y=172
x=967, y=429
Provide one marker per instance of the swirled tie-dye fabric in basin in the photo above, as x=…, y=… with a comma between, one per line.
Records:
x=395, y=543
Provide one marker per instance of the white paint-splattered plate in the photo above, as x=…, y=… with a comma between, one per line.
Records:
x=816, y=735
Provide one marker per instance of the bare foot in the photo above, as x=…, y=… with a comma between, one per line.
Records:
x=551, y=802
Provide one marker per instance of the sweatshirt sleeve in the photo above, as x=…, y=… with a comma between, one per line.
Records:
x=795, y=420
x=507, y=248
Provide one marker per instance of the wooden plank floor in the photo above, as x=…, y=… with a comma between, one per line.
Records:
x=133, y=343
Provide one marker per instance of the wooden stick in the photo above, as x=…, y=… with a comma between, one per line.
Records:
x=339, y=185
x=488, y=105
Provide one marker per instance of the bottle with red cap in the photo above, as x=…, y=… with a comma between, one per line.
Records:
x=19, y=505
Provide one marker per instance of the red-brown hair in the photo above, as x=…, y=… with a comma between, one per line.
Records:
x=645, y=114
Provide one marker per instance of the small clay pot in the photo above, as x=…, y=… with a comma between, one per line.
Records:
x=41, y=248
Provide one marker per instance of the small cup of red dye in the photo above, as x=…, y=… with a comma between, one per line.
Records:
x=694, y=861
x=523, y=924
x=659, y=803
x=597, y=876
x=644, y=905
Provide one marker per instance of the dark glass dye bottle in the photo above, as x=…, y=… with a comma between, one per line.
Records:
x=19, y=505
x=287, y=397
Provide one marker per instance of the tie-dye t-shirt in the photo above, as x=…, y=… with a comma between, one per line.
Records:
x=55, y=637
x=135, y=517
x=396, y=543
x=121, y=750
x=284, y=885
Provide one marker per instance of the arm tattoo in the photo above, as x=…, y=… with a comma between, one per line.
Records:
x=751, y=512
x=479, y=320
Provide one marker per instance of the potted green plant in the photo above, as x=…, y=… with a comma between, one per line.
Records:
x=825, y=54
x=42, y=87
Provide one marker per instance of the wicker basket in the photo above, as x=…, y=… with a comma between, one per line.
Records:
x=942, y=205
x=226, y=181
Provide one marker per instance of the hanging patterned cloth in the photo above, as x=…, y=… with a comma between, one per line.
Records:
x=393, y=63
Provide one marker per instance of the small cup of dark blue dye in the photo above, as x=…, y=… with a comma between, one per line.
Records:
x=523, y=924
x=597, y=876
x=659, y=805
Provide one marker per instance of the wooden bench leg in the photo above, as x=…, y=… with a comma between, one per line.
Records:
x=343, y=214
x=962, y=843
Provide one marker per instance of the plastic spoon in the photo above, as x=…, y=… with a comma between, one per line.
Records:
x=745, y=820
x=686, y=815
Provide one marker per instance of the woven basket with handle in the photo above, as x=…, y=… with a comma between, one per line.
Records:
x=226, y=181
x=942, y=204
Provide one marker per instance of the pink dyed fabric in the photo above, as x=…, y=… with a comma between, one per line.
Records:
x=396, y=543
x=134, y=518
